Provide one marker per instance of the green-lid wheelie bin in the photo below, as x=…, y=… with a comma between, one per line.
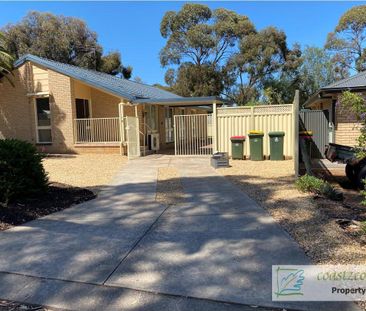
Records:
x=276, y=145
x=237, y=147
x=256, y=145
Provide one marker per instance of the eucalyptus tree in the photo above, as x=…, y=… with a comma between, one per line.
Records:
x=347, y=41
x=6, y=60
x=64, y=39
x=200, y=41
x=263, y=60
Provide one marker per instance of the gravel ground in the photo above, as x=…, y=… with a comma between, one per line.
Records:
x=272, y=185
x=169, y=190
x=91, y=171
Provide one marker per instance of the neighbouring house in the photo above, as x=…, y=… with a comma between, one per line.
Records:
x=66, y=109
x=344, y=128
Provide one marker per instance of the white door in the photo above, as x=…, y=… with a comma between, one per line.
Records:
x=133, y=137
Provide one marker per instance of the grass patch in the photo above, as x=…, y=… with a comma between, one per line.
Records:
x=318, y=186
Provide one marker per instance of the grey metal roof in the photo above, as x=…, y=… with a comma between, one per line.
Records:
x=356, y=81
x=130, y=90
x=189, y=101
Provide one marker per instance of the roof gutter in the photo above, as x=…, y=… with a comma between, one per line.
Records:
x=343, y=89
x=182, y=101
x=29, y=58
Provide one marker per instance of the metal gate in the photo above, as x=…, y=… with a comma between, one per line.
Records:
x=193, y=134
x=316, y=121
x=133, y=137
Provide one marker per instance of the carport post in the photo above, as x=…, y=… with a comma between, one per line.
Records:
x=121, y=126
x=296, y=105
x=214, y=127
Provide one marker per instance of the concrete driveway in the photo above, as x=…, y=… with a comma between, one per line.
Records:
x=124, y=251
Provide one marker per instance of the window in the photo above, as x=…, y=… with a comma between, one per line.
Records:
x=43, y=120
x=169, y=130
x=152, y=117
x=82, y=108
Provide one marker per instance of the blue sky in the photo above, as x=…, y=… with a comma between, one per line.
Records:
x=133, y=27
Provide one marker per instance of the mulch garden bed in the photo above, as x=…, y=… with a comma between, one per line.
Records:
x=6, y=305
x=58, y=197
x=350, y=214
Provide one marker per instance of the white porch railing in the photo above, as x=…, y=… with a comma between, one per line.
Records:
x=97, y=130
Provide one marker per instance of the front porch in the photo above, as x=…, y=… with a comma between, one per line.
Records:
x=181, y=126
x=97, y=135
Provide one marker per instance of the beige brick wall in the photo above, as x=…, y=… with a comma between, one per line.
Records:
x=17, y=113
x=15, y=107
x=103, y=104
x=18, y=116
x=347, y=128
x=62, y=113
x=81, y=90
x=98, y=150
x=40, y=79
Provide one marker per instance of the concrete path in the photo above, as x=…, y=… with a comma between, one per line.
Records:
x=125, y=251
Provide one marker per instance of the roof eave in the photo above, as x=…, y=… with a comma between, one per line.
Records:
x=343, y=89
x=183, y=101
x=29, y=58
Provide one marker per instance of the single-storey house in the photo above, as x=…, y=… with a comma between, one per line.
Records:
x=66, y=109
x=344, y=128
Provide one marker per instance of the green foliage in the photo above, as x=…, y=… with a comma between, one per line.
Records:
x=355, y=105
x=219, y=52
x=354, y=102
x=21, y=170
x=309, y=183
x=347, y=42
x=199, y=43
x=318, y=186
x=60, y=38
x=363, y=226
x=263, y=58
x=273, y=96
x=6, y=60
x=191, y=80
x=317, y=70
x=200, y=36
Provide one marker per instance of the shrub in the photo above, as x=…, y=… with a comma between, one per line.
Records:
x=309, y=183
x=316, y=185
x=21, y=170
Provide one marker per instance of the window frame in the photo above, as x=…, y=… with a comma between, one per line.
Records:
x=88, y=104
x=152, y=119
x=42, y=127
x=169, y=131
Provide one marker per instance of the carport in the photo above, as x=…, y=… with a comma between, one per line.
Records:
x=185, y=125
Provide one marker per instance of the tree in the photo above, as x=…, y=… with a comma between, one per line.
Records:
x=317, y=70
x=6, y=60
x=193, y=80
x=63, y=39
x=199, y=43
x=263, y=59
x=347, y=42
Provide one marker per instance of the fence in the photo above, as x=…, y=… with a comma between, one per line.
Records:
x=316, y=121
x=193, y=134
x=97, y=130
x=232, y=121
